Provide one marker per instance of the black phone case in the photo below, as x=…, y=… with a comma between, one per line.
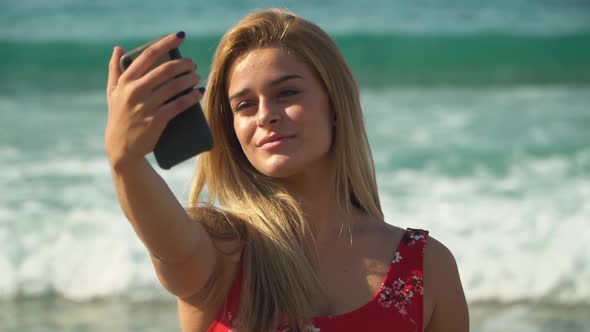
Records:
x=187, y=134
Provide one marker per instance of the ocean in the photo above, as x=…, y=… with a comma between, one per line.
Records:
x=478, y=114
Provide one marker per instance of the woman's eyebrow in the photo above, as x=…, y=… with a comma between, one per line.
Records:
x=284, y=78
x=271, y=83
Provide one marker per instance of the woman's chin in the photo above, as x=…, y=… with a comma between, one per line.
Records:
x=279, y=167
x=279, y=172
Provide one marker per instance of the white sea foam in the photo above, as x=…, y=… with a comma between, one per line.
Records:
x=534, y=246
x=70, y=237
x=457, y=163
x=530, y=247
x=79, y=254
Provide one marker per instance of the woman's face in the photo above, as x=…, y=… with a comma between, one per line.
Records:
x=281, y=113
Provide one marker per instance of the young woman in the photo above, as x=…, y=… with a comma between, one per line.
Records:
x=293, y=237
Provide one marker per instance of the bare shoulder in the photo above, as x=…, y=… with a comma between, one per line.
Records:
x=378, y=230
x=198, y=311
x=444, y=300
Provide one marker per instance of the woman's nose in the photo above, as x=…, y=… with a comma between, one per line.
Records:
x=268, y=114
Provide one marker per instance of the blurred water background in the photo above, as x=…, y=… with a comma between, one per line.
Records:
x=478, y=115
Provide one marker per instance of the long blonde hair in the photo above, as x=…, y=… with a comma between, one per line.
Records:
x=279, y=280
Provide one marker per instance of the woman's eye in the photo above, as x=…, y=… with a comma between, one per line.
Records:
x=242, y=106
x=287, y=93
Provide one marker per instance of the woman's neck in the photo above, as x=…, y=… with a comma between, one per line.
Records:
x=318, y=200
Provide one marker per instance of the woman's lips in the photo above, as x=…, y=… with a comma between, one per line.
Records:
x=275, y=143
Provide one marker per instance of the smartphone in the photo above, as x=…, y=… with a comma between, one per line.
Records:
x=187, y=134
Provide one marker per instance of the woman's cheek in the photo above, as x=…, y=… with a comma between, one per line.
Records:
x=244, y=131
x=296, y=113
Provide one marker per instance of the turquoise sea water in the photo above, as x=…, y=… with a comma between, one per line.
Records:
x=478, y=115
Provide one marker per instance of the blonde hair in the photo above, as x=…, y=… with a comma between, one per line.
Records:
x=279, y=280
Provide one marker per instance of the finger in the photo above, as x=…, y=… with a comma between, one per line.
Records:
x=173, y=88
x=152, y=54
x=166, y=72
x=172, y=109
x=114, y=69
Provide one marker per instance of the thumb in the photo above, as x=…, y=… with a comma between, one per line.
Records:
x=114, y=69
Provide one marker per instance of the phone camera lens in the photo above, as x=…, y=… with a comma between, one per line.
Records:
x=127, y=62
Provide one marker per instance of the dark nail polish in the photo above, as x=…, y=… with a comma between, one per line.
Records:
x=202, y=89
x=180, y=34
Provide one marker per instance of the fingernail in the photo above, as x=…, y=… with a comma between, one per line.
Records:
x=180, y=34
x=202, y=89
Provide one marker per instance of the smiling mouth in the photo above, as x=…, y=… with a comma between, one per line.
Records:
x=275, y=143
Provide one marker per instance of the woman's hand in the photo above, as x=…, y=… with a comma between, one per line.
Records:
x=137, y=113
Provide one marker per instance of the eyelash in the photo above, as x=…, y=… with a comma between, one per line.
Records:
x=289, y=92
x=283, y=94
x=241, y=106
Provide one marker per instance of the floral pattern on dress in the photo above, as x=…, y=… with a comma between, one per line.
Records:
x=412, y=236
x=400, y=292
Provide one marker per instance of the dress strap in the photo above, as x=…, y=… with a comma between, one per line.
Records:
x=403, y=287
x=409, y=254
x=413, y=243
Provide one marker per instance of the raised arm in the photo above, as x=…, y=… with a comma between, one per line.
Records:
x=182, y=252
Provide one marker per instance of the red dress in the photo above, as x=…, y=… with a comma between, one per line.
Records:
x=397, y=306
